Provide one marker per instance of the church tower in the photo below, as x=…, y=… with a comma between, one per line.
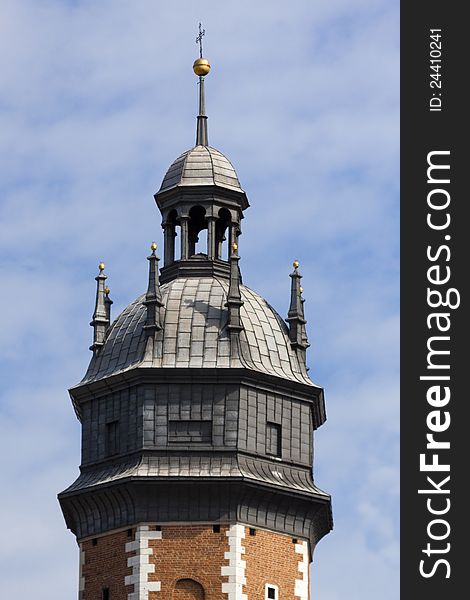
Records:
x=197, y=415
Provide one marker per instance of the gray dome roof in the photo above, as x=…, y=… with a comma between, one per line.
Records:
x=201, y=165
x=194, y=334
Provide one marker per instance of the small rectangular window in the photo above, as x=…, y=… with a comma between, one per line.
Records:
x=105, y=594
x=273, y=439
x=183, y=432
x=271, y=592
x=112, y=438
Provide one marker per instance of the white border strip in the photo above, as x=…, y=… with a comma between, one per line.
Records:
x=81, y=578
x=301, y=585
x=235, y=571
x=140, y=564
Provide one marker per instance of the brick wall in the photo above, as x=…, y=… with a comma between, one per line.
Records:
x=189, y=551
x=105, y=566
x=270, y=558
x=187, y=561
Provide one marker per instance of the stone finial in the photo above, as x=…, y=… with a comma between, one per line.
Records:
x=234, y=298
x=153, y=297
x=295, y=316
x=101, y=316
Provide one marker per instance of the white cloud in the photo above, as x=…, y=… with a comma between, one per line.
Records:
x=97, y=99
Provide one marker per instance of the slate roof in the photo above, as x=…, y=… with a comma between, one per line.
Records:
x=201, y=165
x=201, y=466
x=194, y=334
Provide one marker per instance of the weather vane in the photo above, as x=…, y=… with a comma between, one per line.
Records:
x=202, y=33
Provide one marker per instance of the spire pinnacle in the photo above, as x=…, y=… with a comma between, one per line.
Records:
x=153, y=297
x=234, y=298
x=201, y=67
x=295, y=316
x=101, y=316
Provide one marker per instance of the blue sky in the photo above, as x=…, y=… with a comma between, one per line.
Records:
x=96, y=100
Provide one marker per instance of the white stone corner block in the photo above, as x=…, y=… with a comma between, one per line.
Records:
x=141, y=565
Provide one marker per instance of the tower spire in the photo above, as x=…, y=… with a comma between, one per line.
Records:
x=101, y=316
x=234, y=298
x=153, y=297
x=234, y=302
x=201, y=67
x=295, y=316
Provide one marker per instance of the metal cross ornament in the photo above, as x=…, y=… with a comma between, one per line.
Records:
x=202, y=33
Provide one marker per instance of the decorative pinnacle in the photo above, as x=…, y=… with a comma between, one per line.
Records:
x=106, y=291
x=295, y=316
x=101, y=316
x=234, y=298
x=153, y=297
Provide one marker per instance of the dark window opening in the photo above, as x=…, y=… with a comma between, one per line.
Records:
x=221, y=226
x=216, y=528
x=188, y=588
x=129, y=533
x=252, y=531
x=105, y=594
x=177, y=241
x=170, y=238
x=271, y=593
x=183, y=432
x=94, y=541
x=197, y=223
x=112, y=438
x=294, y=540
x=273, y=439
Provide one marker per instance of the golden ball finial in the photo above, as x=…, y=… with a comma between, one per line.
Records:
x=234, y=247
x=101, y=266
x=153, y=246
x=301, y=290
x=295, y=264
x=201, y=67
x=106, y=291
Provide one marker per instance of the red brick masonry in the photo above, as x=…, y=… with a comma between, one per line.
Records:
x=188, y=560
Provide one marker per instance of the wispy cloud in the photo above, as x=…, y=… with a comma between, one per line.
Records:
x=97, y=99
